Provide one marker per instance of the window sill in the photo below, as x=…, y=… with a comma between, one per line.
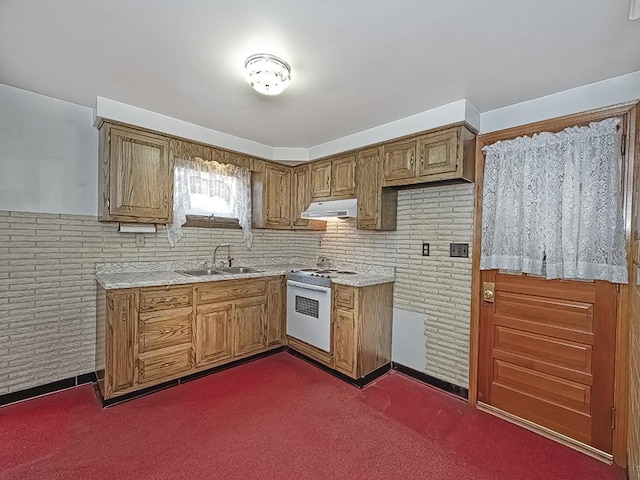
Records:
x=216, y=222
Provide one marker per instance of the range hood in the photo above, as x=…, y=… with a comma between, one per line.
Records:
x=332, y=209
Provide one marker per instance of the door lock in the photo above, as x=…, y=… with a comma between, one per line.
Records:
x=488, y=291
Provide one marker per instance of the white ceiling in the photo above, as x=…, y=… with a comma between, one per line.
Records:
x=356, y=64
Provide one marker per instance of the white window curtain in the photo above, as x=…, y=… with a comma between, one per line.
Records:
x=210, y=188
x=552, y=205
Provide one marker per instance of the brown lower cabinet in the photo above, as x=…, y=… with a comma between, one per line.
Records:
x=361, y=330
x=147, y=336
x=362, y=322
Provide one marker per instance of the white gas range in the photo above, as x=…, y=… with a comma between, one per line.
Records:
x=309, y=305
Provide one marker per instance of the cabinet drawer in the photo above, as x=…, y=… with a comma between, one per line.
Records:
x=345, y=297
x=223, y=291
x=165, y=298
x=165, y=328
x=164, y=364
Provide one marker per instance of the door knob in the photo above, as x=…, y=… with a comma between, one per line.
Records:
x=488, y=291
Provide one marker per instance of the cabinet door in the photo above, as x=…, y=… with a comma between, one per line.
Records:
x=344, y=338
x=300, y=194
x=278, y=197
x=140, y=177
x=122, y=319
x=368, y=187
x=250, y=325
x=320, y=180
x=275, y=311
x=300, y=200
x=399, y=161
x=343, y=177
x=213, y=333
x=438, y=153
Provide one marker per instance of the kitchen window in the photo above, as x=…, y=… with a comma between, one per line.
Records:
x=210, y=194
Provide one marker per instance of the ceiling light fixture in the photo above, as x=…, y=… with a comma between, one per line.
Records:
x=634, y=13
x=267, y=74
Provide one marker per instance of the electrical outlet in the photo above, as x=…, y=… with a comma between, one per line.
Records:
x=459, y=250
x=139, y=240
x=320, y=242
x=425, y=249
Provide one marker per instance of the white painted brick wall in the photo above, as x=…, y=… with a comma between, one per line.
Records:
x=437, y=286
x=47, y=284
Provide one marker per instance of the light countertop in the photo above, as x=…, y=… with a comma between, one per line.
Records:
x=137, y=279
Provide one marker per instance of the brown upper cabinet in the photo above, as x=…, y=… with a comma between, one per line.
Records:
x=300, y=200
x=136, y=178
x=272, y=197
x=436, y=156
x=320, y=180
x=333, y=179
x=376, y=205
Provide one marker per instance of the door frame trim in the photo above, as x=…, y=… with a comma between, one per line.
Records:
x=630, y=111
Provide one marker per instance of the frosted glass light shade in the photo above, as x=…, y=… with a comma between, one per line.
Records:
x=267, y=74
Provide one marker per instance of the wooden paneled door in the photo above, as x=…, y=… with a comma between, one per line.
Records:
x=546, y=353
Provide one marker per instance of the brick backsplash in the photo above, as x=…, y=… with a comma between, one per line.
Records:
x=47, y=284
x=437, y=286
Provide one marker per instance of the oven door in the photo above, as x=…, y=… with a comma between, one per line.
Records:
x=309, y=314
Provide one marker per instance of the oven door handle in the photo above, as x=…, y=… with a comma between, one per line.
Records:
x=308, y=286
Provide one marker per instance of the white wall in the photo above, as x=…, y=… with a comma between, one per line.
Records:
x=408, y=347
x=580, y=99
x=48, y=155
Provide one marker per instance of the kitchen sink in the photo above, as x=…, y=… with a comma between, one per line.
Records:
x=239, y=270
x=203, y=272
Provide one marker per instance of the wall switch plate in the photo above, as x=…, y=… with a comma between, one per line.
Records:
x=139, y=240
x=425, y=249
x=459, y=250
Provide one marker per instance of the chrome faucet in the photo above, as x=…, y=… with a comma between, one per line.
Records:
x=229, y=258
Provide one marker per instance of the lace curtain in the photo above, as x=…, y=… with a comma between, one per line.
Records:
x=203, y=188
x=552, y=205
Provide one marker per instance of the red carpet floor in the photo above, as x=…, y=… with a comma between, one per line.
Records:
x=277, y=418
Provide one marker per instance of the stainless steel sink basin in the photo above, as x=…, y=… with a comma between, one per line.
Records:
x=239, y=270
x=203, y=272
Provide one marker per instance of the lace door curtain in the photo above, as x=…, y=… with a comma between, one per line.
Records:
x=212, y=179
x=552, y=205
